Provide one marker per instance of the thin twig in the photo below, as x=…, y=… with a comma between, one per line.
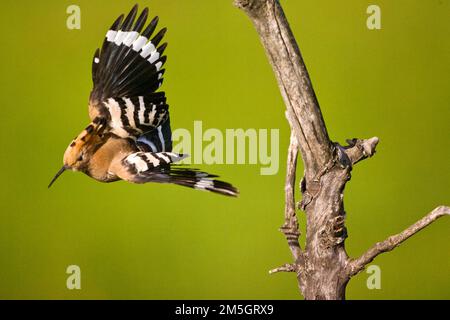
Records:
x=285, y=268
x=290, y=228
x=390, y=243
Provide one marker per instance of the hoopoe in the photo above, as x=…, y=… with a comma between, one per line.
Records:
x=130, y=137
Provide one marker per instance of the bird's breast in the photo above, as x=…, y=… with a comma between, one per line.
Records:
x=101, y=160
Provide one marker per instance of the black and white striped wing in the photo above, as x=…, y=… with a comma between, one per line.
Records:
x=143, y=167
x=127, y=72
x=132, y=117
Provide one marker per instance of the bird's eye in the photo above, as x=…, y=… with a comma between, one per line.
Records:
x=80, y=158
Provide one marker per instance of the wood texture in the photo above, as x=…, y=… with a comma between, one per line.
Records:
x=323, y=267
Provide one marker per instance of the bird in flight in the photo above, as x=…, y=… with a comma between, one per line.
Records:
x=129, y=137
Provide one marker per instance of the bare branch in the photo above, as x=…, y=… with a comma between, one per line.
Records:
x=293, y=80
x=390, y=243
x=285, y=268
x=361, y=149
x=327, y=168
x=290, y=227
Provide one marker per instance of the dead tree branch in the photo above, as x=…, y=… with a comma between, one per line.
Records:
x=285, y=268
x=293, y=79
x=394, y=241
x=290, y=227
x=323, y=267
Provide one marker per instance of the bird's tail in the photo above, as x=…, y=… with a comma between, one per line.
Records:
x=195, y=179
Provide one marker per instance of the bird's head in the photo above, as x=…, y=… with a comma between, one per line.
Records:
x=77, y=154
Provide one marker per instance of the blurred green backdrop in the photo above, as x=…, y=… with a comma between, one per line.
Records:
x=158, y=242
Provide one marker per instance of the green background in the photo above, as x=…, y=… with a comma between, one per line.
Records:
x=159, y=242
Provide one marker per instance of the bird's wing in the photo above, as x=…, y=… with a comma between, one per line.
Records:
x=126, y=73
x=143, y=167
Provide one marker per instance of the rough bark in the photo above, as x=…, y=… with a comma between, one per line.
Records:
x=323, y=267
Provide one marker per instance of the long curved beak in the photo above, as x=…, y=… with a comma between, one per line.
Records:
x=64, y=168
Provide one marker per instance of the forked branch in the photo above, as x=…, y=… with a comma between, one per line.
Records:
x=323, y=267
